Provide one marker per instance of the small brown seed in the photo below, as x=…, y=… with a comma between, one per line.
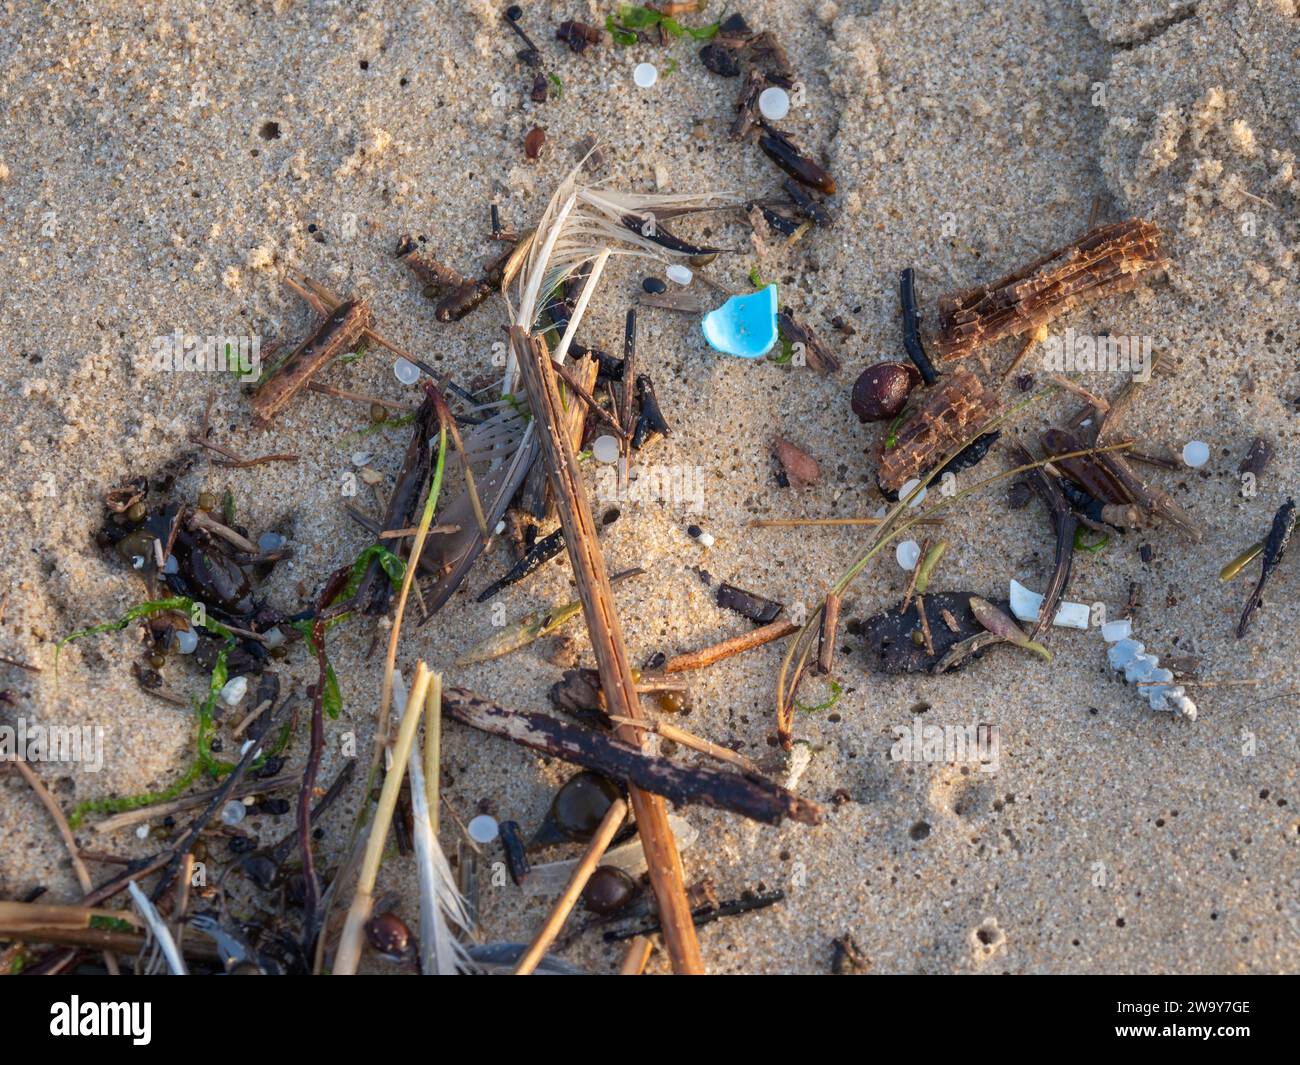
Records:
x=800, y=468
x=882, y=390
x=608, y=890
x=533, y=142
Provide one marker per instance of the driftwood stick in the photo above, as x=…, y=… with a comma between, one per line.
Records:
x=754, y=797
x=706, y=656
x=618, y=683
x=547, y=934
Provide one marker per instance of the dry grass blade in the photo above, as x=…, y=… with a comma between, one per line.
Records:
x=349, y=950
x=550, y=929
x=441, y=904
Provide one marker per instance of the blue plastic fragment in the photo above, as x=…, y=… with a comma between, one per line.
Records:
x=744, y=326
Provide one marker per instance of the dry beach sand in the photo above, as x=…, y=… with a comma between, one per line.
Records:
x=162, y=165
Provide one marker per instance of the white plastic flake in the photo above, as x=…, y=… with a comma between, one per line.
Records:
x=1025, y=605
x=1117, y=630
x=908, y=554
x=1155, y=684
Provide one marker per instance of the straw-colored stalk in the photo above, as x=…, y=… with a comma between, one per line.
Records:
x=349, y=951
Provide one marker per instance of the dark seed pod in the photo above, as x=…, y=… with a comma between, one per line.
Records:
x=651, y=423
x=720, y=60
x=513, y=845
x=577, y=810
x=881, y=391
x=541, y=89
x=750, y=605
x=389, y=935
x=577, y=35
x=608, y=891
x=782, y=151
x=801, y=469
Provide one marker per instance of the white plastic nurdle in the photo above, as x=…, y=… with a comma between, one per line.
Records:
x=1196, y=453
x=908, y=554
x=605, y=449
x=406, y=371
x=483, y=829
x=774, y=103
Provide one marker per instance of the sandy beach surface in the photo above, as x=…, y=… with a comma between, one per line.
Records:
x=163, y=165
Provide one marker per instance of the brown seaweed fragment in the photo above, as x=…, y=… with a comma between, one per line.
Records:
x=894, y=642
x=1104, y=261
x=814, y=351
x=1279, y=534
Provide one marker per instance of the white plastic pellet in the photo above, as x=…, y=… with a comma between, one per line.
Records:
x=605, y=449
x=1196, y=453
x=406, y=371
x=908, y=554
x=678, y=273
x=774, y=103
x=483, y=829
x=186, y=641
x=645, y=75
x=234, y=690
x=270, y=541
x=233, y=812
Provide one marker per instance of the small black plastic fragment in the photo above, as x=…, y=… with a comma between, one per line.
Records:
x=748, y=604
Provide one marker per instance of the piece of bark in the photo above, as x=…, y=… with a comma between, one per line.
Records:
x=949, y=410
x=1104, y=261
x=752, y=796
